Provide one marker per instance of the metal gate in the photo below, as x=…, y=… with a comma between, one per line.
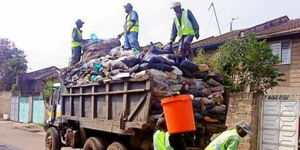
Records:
x=279, y=122
x=24, y=110
x=14, y=108
x=38, y=115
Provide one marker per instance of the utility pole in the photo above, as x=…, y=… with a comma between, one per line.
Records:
x=232, y=23
x=212, y=5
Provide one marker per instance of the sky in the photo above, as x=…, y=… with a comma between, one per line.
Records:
x=42, y=28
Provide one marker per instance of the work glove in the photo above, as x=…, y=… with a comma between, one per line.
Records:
x=197, y=35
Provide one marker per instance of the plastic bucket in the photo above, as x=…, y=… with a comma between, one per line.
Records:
x=178, y=111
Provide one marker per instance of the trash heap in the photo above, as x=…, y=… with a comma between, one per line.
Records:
x=170, y=73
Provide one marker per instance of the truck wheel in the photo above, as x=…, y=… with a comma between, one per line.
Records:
x=116, y=146
x=52, y=140
x=94, y=143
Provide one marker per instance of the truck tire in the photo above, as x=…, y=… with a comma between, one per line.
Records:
x=116, y=146
x=52, y=140
x=94, y=143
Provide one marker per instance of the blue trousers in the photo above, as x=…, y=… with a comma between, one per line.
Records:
x=131, y=41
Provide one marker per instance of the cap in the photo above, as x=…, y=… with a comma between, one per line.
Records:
x=128, y=5
x=79, y=22
x=176, y=4
x=246, y=127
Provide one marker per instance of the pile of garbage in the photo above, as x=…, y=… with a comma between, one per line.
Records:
x=170, y=73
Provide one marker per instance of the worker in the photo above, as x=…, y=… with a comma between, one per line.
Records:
x=230, y=140
x=77, y=42
x=161, y=135
x=131, y=29
x=186, y=27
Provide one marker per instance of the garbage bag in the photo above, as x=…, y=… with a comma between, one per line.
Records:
x=217, y=110
x=203, y=68
x=177, y=58
x=213, y=82
x=186, y=73
x=201, y=75
x=177, y=71
x=190, y=66
x=115, y=51
x=157, y=51
x=131, y=61
x=161, y=60
x=98, y=49
x=157, y=66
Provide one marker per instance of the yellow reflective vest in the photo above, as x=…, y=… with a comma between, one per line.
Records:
x=161, y=141
x=228, y=140
x=129, y=23
x=184, y=27
x=75, y=43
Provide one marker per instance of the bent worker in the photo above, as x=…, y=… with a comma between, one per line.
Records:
x=230, y=140
x=131, y=29
x=186, y=27
x=161, y=136
x=77, y=42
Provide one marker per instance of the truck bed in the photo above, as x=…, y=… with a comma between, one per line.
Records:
x=115, y=107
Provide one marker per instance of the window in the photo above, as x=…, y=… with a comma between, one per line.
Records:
x=283, y=51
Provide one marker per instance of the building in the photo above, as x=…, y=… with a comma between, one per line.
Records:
x=283, y=34
x=275, y=116
x=28, y=104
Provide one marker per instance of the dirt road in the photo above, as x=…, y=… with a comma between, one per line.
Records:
x=13, y=138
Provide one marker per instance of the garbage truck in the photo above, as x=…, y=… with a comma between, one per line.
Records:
x=113, y=115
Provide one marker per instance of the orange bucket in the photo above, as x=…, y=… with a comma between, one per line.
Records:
x=178, y=111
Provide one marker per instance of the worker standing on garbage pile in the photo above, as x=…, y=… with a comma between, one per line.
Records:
x=77, y=42
x=186, y=27
x=230, y=140
x=131, y=29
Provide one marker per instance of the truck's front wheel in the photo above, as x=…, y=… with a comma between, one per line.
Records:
x=52, y=140
x=94, y=143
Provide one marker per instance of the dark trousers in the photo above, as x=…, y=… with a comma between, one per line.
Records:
x=177, y=142
x=185, y=47
x=76, y=54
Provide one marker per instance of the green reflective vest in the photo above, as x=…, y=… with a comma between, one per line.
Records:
x=228, y=140
x=161, y=141
x=129, y=23
x=75, y=43
x=185, y=26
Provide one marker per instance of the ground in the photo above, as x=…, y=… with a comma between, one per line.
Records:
x=17, y=136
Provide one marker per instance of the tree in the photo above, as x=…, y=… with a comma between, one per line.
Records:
x=17, y=65
x=246, y=63
x=12, y=62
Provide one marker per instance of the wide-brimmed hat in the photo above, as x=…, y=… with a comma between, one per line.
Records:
x=246, y=127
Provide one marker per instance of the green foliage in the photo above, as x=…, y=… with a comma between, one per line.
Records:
x=15, y=87
x=12, y=61
x=209, y=59
x=48, y=90
x=17, y=65
x=245, y=63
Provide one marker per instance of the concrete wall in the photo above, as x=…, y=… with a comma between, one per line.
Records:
x=5, y=98
x=245, y=107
